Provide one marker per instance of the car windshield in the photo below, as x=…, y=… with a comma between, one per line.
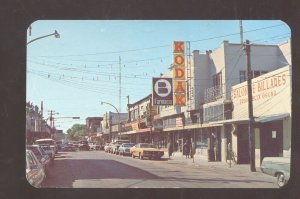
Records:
x=46, y=148
x=50, y=142
x=128, y=145
x=148, y=146
x=35, y=150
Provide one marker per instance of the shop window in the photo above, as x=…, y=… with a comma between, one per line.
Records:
x=201, y=140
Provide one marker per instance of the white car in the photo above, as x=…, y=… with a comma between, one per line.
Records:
x=48, y=150
x=124, y=149
x=35, y=173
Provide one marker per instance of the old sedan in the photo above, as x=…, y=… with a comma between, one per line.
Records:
x=43, y=158
x=147, y=150
x=278, y=167
x=35, y=174
x=124, y=149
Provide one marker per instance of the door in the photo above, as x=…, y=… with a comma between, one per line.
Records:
x=271, y=136
x=243, y=156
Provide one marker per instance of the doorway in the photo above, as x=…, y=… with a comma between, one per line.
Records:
x=243, y=156
x=271, y=136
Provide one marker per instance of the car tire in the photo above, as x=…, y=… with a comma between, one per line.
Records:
x=141, y=157
x=281, y=181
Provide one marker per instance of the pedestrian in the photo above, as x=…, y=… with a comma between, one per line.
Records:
x=193, y=148
x=170, y=149
x=186, y=149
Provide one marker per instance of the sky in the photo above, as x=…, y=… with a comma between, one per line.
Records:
x=72, y=74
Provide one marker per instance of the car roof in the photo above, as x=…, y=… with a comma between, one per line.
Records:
x=45, y=139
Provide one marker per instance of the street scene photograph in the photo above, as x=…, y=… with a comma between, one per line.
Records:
x=158, y=104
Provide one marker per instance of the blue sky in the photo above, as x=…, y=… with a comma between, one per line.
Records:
x=74, y=73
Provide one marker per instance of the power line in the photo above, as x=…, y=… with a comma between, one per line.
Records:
x=160, y=46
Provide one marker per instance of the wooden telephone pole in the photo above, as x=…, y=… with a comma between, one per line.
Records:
x=250, y=109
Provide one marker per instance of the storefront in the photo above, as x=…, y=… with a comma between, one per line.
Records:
x=272, y=115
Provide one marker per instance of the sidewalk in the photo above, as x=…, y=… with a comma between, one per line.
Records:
x=200, y=161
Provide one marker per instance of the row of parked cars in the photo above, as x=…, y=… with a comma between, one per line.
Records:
x=80, y=146
x=140, y=150
x=39, y=157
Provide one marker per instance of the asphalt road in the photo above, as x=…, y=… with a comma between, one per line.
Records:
x=97, y=169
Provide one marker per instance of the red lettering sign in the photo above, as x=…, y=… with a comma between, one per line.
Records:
x=178, y=47
x=179, y=73
x=180, y=100
x=179, y=87
x=178, y=60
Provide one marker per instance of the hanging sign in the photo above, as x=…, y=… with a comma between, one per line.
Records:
x=179, y=75
x=162, y=91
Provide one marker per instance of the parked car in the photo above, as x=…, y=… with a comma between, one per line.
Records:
x=68, y=147
x=143, y=150
x=35, y=173
x=41, y=155
x=94, y=146
x=106, y=147
x=278, y=167
x=84, y=145
x=124, y=149
x=49, y=141
x=115, y=147
x=49, y=151
x=109, y=148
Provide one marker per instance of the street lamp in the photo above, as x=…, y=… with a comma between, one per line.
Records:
x=119, y=126
x=56, y=35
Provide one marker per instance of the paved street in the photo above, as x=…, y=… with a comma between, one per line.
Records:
x=97, y=169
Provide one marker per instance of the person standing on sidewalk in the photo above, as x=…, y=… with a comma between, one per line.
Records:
x=170, y=149
x=193, y=148
x=186, y=149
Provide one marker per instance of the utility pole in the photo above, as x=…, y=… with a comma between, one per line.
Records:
x=42, y=109
x=241, y=31
x=120, y=72
x=250, y=108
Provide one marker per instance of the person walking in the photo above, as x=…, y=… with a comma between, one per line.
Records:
x=186, y=149
x=170, y=149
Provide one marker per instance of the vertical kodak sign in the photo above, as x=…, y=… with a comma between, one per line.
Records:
x=179, y=76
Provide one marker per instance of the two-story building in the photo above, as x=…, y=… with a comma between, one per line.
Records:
x=112, y=124
x=208, y=117
x=140, y=122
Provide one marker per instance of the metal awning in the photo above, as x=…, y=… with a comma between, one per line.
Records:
x=270, y=118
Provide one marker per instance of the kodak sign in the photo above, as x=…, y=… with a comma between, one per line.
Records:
x=179, y=76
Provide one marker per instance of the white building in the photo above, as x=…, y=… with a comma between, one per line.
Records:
x=210, y=115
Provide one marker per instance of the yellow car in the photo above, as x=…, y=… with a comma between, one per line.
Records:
x=143, y=150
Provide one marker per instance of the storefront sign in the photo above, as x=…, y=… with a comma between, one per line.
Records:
x=270, y=95
x=135, y=126
x=179, y=75
x=162, y=91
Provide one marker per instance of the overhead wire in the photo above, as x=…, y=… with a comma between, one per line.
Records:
x=160, y=46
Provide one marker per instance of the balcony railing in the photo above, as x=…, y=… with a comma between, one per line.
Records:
x=213, y=93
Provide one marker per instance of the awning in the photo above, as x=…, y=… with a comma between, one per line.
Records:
x=128, y=132
x=270, y=118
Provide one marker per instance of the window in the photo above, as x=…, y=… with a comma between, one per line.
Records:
x=217, y=78
x=255, y=73
x=242, y=76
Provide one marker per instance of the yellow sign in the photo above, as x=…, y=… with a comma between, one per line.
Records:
x=179, y=73
x=180, y=87
x=179, y=99
x=178, y=60
x=178, y=47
